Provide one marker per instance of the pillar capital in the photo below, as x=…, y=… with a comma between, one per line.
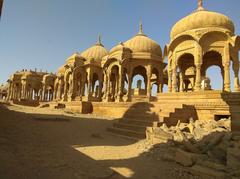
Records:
x=226, y=64
x=198, y=65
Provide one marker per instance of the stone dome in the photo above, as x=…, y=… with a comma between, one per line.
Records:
x=202, y=19
x=61, y=70
x=118, y=47
x=96, y=52
x=142, y=43
x=4, y=87
x=28, y=73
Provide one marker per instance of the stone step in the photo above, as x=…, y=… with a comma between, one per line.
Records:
x=128, y=133
x=138, y=122
x=180, y=115
x=123, y=136
x=164, y=114
x=141, y=116
x=167, y=107
x=129, y=127
x=172, y=121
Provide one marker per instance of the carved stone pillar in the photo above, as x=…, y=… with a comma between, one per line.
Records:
x=149, y=87
x=89, y=95
x=197, y=86
x=174, y=79
x=44, y=93
x=13, y=91
x=9, y=90
x=160, y=81
x=181, y=82
x=108, y=94
x=120, y=85
x=236, y=76
x=65, y=92
x=129, y=92
x=169, y=80
x=58, y=90
x=226, y=65
x=72, y=90
x=227, y=77
x=105, y=81
x=100, y=88
x=236, y=82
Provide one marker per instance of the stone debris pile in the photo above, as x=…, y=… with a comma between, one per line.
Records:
x=207, y=148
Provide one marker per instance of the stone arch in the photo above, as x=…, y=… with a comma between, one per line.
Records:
x=109, y=62
x=125, y=81
x=114, y=81
x=213, y=41
x=185, y=79
x=155, y=79
x=67, y=82
x=212, y=36
x=139, y=72
x=194, y=50
x=236, y=43
x=95, y=84
x=56, y=88
x=179, y=40
x=79, y=78
x=212, y=59
x=185, y=60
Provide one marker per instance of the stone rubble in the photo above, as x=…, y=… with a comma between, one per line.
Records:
x=206, y=148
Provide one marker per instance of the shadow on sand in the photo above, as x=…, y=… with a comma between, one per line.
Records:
x=46, y=146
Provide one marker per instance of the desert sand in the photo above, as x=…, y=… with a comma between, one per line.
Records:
x=44, y=143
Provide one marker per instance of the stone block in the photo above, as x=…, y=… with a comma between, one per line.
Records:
x=184, y=158
x=233, y=158
x=208, y=172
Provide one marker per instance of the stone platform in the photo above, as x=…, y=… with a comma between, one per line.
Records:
x=208, y=104
x=134, y=117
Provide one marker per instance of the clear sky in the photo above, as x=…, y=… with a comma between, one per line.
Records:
x=43, y=33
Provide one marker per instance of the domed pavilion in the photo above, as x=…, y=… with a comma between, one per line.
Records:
x=81, y=77
x=199, y=41
x=139, y=55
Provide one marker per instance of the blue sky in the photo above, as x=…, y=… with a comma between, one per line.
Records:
x=43, y=33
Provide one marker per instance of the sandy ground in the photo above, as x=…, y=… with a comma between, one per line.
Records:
x=47, y=144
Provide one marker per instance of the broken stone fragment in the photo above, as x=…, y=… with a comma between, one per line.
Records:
x=224, y=123
x=184, y=158
x=206, y=172
x=161, y=134
x=235, y=173
x=211, y=164
x=215, y=139
x=191, y=126
x=233, y=158
x=199, y=133
x=164, y=127
x=190, y=147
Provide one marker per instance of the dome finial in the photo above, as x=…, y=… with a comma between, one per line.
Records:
x=200, y=5
x=140, y=28
x=99, y=42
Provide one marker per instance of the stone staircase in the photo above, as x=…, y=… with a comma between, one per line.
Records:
x=134, y=122
x=142, y=115
x=172, y=107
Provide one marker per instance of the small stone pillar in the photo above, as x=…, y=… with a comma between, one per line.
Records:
x=227, y=77
x=169, y=80
x=197, y=86
x=129, y=93
x=174, y=80
x=181, y=82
